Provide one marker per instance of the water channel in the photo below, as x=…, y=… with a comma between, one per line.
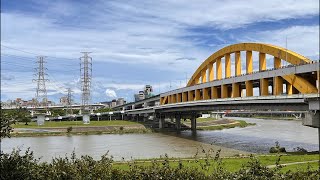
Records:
x=252, y=139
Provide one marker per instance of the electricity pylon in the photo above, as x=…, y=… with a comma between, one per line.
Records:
x=41, y=91
x=85, y=74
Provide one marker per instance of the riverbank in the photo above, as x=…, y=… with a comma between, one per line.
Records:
x=218, y=124
x=63, y=128
x=78, y=128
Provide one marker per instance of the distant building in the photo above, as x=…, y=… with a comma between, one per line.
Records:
x=114, y=102
x=146, y=93
x=64, y=100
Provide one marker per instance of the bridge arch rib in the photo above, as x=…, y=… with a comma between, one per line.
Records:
x=205, y=73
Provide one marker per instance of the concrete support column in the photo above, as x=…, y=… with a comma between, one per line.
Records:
x=235, y=90
x=198, y=97
x=214, y=92
x=205, y=93
x=227, y=65
x=178, y=122
x=218, y=69
x=193, y=123
x=184, y=96
x=204, y=75
x=237, y=63
x=161, y=122
x=249, y=88
x=211, y=72
x=312, y=119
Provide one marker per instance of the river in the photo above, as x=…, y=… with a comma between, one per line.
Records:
x=252, y=139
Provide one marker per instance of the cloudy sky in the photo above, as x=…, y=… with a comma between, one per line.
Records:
x=138, y=42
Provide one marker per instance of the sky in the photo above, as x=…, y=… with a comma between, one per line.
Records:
x=136, y=42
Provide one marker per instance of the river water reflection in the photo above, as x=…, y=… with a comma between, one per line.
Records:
x=254, y=139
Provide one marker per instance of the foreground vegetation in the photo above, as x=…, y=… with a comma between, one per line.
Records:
x=24, y=166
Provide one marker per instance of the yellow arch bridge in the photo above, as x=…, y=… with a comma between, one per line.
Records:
x=300, y=76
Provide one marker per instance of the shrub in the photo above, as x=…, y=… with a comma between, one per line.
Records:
x=277, y=148
x=121, y=128
x=69, y=129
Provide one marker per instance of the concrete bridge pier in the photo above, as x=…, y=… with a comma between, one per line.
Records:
x=312, y=119
x=161, y=122
x=178, y=122
x=193, y=123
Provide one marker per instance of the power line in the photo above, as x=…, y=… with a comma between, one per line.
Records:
x=19, y=50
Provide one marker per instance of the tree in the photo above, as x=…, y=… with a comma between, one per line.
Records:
x=5, y=124
x=23, y=115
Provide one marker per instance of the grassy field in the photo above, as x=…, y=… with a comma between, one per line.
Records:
x=49, y=124
x=234, y=164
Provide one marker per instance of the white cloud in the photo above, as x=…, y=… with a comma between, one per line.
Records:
x=111, y=93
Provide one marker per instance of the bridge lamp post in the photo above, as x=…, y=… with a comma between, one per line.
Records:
x=110, y=113
x=122, y=112
x=98, y=115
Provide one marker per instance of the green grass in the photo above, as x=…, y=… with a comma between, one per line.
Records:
x=240, y=123
x=52, y=124
x=206, y=119
x=232, y=164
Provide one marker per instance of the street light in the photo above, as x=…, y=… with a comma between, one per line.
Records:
x=98, y=115
x=110, y=113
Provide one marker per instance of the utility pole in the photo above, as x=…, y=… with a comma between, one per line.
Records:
x=41, y=91
x=69, y=102
x=85, y=74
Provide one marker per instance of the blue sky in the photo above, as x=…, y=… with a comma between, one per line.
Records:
x=134, y=43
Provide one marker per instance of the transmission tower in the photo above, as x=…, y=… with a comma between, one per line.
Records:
x=85, y=74
x=41, y=92
x=69, y=101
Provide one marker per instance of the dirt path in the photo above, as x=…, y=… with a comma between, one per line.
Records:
x=286, y=164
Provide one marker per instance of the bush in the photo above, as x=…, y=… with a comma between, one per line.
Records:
x=69, y=129
x=121, y=128
x=277, y=148
x=300, y=149
x=16, y=166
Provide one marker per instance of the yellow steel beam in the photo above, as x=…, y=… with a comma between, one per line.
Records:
x=264, y=87
x=237, y=63
x=249, y=62
x=249, y=88
x=282, y=53
x=178, y=98
x=227, y=65
x=190, y=95
x=204, y=76
x=205, y=93
x=184, y=96
x=277, y=85
x=289, y=88
x=219, y=69
x=211, y=73
x=302, y=85
x=262, y=61
x=263, y=82
x=214, y=92
x=235, y=90
x=197, y=96
x=224, y=91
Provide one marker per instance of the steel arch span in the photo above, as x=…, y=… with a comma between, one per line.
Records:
x=207, y=81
